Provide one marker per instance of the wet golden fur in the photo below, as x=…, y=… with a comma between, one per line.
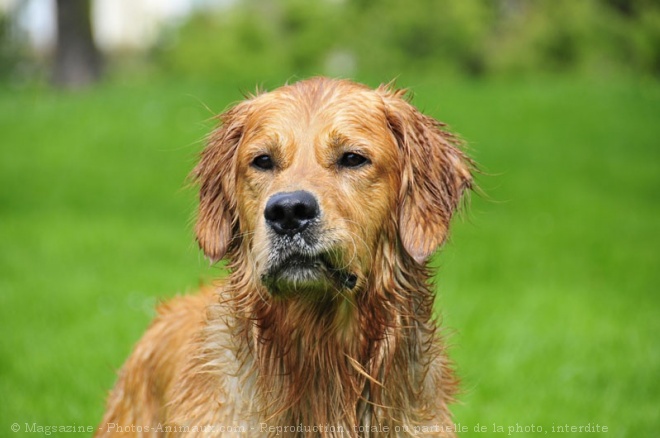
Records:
x=238, y=354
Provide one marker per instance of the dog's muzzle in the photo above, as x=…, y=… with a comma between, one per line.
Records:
x=296, y=260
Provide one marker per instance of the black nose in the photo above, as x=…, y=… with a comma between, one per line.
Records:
x=290, y=213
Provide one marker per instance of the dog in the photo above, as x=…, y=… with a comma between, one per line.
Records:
x=327, y=199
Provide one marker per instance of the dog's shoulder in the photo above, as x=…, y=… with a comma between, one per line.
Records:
x=157, y=359
x=187, y=308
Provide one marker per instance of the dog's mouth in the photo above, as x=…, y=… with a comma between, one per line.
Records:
x=298, y=272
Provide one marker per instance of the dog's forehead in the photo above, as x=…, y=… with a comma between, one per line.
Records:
x=319, y=104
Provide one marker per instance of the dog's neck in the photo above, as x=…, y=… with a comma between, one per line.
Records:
x=345, y=362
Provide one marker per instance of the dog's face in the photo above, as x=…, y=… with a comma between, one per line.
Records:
x=318, y=177
x=309, y=181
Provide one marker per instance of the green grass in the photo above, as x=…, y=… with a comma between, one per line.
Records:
x=549, y=284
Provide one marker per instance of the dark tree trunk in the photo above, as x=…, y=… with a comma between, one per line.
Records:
x=78, y=62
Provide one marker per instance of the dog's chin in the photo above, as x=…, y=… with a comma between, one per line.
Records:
x=310, y=276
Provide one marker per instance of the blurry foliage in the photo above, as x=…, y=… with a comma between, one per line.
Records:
x=257, y=39
x=10, y=51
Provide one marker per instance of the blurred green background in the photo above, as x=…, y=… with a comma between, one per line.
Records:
x=546, y=286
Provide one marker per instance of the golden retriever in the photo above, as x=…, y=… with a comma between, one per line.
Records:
x=327, y=199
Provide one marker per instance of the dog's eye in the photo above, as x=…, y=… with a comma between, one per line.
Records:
x=263, y=162
x=351, y=159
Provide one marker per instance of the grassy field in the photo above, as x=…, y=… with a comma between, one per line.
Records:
x=549, y=285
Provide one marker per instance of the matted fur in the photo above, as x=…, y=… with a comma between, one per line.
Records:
x=361, y=361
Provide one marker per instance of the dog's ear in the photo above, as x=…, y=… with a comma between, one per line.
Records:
x=217, y=220
x=434, y=174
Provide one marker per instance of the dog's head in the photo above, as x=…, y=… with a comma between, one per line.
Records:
x=306, y=184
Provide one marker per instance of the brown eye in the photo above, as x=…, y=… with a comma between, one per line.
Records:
x=351, y=159
x=263, y=162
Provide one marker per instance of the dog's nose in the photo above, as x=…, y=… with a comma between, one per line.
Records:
x=291, y=212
